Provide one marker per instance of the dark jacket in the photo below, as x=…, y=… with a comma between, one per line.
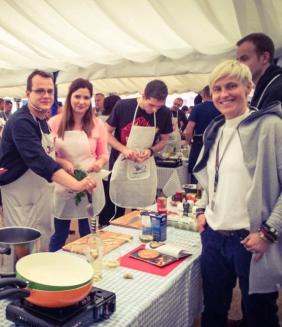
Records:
x=269, y=88
x=22, y=148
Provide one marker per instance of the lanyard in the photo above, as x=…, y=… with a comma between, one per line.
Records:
x=218, y=161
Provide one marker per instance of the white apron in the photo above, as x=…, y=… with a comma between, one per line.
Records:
x=28, y=200
x=175, y=137
x=75, y=147
x=134, y=185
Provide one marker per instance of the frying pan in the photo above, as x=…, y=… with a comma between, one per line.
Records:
x=49, y=279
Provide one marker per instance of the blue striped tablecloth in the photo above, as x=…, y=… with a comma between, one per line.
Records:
x=149, y=300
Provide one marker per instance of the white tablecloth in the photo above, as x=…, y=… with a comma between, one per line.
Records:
x=149, y=300
x=170, y=180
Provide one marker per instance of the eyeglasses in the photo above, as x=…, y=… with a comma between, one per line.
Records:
x=42, y=92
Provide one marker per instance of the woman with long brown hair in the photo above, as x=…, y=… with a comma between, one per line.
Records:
x=81, y=147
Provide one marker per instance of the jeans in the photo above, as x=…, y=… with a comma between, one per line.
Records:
x=62, y=228
x=223, y=260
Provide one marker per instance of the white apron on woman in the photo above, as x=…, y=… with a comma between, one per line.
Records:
x=132, y=184
x=75, y=147
x=28, y=200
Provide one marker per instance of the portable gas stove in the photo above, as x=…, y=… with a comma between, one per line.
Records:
x=97, y=306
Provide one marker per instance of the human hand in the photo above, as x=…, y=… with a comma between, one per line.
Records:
x=67, y=166
x=86, y=184
x=201, y=223
x=95, y=167
x=144, y=155
x=255, y=244
x=130, y=154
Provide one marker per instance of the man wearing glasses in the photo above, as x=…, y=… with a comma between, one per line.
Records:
x=27, y=163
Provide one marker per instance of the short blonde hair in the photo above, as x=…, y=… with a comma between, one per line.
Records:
x=230, y=68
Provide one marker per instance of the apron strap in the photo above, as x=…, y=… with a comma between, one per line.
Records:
x=135, y=113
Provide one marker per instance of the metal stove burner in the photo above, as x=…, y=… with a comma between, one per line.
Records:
x=97, y=306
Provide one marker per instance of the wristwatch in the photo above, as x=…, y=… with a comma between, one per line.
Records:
x=152, y=151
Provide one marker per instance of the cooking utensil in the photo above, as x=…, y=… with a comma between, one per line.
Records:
x=15, y=243
x=58, y=299
x=52, y=271
x=13, y=287
x=49, y=279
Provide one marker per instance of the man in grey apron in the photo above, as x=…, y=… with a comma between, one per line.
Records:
x=141, y=127
x=178, y=113
x=28, y=162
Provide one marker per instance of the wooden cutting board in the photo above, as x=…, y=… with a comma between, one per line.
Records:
x=111, y=241
x=131, y=220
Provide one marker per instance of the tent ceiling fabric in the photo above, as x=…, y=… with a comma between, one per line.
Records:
x=122, y=44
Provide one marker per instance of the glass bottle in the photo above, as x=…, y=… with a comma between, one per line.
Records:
x=95, y=250
x=145, y=234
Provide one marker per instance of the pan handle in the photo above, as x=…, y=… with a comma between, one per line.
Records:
x=5, y=250
x=6, y=275
x=18, y=292
x=13, y=282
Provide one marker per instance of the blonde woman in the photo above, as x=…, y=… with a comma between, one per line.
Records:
x=240, y=216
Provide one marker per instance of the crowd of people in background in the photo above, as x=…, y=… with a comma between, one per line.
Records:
x=230, y=145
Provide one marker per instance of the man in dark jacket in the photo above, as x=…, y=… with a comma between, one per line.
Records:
x=256, y=50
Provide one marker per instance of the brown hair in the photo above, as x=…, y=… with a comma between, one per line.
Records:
x=34, y=73
x=67, y=121
x=109, y=104
x=206, y=92
x=156, y=89
x=262, y=42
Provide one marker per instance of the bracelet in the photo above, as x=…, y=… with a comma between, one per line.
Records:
x=263, y=234
x=269, y=232
x=152, y=151
x=200, y=211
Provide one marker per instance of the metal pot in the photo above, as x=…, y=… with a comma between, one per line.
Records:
x=15, y=243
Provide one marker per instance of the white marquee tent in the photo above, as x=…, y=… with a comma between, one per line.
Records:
x=121, y=44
